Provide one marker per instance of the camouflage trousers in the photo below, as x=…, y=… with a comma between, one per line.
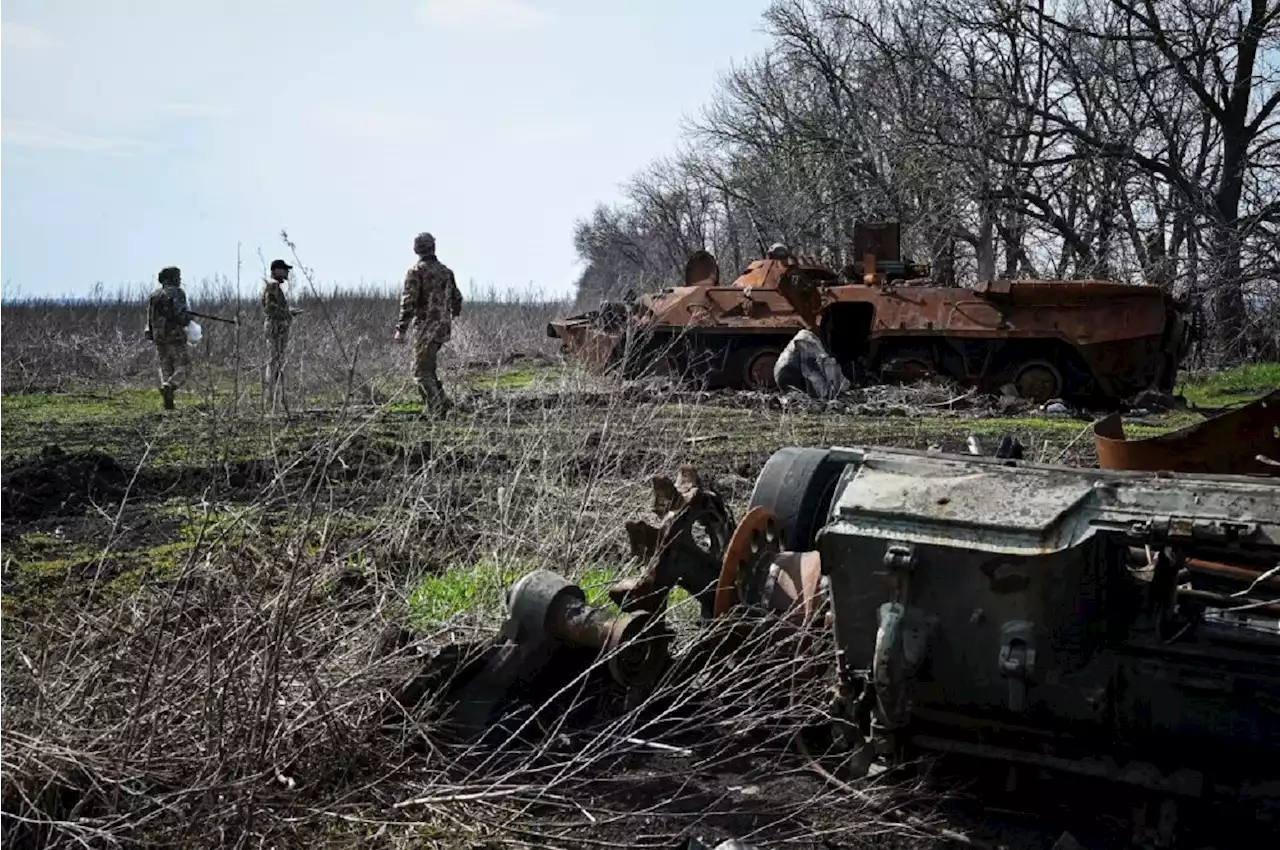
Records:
x=175, y=362
x=277, y=346
x=425, y=352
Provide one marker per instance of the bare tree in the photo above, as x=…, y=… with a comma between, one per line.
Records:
x=1125, y=139
x=1156, y=55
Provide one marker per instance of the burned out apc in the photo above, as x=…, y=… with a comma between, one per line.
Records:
x=885, y=320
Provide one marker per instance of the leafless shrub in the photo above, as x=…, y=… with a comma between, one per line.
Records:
x=248, y=700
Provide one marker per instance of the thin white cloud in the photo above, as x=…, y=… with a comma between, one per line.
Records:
x=43, y=136
x=370, y=124
x=195, y=109
x=482, y=14
x=548, y=130
x=22, y=37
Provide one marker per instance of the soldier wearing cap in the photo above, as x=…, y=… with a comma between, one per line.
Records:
x=277, y=316
x=167, y=320
x=430, y=301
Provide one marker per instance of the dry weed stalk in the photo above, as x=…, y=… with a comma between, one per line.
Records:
x=248, y=700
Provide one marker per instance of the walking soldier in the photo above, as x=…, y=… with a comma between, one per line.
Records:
x=167, y=319
x=430, y=300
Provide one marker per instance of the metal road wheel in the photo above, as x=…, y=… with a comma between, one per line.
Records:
x=910, y=370
x=908, y=367
x=757, y=367
x=1038, y=380
x=755, y=541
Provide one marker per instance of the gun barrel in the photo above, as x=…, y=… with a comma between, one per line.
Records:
x=214, y=318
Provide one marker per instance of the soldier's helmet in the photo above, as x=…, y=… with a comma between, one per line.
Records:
x=424, y=244
x=169, y=274
x=778, y=251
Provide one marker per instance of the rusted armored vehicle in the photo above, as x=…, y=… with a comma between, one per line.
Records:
x=883, y=319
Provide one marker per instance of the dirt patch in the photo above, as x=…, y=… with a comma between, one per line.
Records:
x=60, y=482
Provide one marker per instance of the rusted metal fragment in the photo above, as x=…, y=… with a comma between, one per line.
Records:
x=804, y=296
x=685, y=550
x=702, y=270
x=757, y=572
x=551, y=635
x=1245, y=441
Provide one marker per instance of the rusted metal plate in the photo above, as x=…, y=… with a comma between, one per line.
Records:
x=702, y=270
x=1230, y=444
x=883, y=240
x=685, y=550
x=592, y=346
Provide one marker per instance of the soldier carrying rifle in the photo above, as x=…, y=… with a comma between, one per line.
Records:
x=168, y=317
x=167, y=320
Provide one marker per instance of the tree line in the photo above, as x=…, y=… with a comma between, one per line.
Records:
x=1134, y=140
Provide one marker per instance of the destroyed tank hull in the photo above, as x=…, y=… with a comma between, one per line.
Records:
x=1082, y=340
x=1120, y=627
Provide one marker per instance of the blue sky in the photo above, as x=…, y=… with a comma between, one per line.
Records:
x=143, y=133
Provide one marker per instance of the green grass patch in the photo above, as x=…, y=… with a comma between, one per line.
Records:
x=36, y=554
x=72, y=407
x=514, y=379
x=479, y=589
x=1230, y=386
x=154, y=564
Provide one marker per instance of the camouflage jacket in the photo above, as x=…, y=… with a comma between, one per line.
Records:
x=275, y=306
x=431, y=299
x=167, y=315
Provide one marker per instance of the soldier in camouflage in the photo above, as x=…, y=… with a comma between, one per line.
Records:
x=431, y=300
x=277, y=316
x=167, y=320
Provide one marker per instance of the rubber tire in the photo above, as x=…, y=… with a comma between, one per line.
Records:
x=797, y=484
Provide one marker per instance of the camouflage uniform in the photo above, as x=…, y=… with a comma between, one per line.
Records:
x=167, y=319
x=431, y=299
x=277, y=318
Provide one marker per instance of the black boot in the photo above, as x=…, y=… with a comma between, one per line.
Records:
x=167, y=394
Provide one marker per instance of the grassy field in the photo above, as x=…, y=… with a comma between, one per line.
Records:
x=197, y=604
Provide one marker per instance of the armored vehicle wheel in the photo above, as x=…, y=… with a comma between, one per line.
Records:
x=908, y=369
x=1038, y=381
x=752, y=368
x=797, y=486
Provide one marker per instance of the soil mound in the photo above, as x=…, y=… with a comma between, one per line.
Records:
x=60, y=482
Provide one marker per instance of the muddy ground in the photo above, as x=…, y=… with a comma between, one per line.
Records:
x=109, y=503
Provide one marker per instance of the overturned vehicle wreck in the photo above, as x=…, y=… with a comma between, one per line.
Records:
x=884, y=319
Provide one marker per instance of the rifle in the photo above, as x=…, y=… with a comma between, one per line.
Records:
x=214, y=318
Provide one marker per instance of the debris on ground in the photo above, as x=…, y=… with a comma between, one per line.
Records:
x=768, y=571
x=1009, y=447
x=730, y=844
x=58, y=481
x=806, y=365
x=1057, y=407
x=1244, y=441
x=1155, y=400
